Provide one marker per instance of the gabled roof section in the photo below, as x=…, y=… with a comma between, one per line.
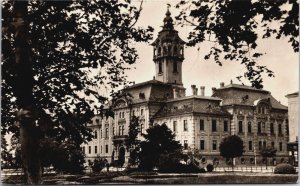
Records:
x=295, y=94
x=192, y=105
x=234, y=94
x=242, y=87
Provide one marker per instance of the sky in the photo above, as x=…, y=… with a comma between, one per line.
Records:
x=279, y=58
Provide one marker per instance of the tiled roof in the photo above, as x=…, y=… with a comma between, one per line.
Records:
x=192, y=104
x=293, y=94
x=234, y=94
x=244, y=87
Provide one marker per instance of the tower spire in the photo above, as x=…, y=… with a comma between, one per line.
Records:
x=168, y=21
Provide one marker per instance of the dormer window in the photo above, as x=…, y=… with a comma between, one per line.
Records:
x=142, y=95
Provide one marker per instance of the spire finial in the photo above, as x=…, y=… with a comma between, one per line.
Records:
x=168, y=9
x=168, y=21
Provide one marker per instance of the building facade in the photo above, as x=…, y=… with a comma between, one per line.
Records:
x=199, y=122
x=293, y=105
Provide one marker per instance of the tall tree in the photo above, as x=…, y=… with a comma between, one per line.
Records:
x=131, y=142
x=234, y=27
x=268, y=152
x=159, y=142
x=231, y=147
x=58, y=62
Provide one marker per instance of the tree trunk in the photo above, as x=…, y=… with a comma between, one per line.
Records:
x=23, y=90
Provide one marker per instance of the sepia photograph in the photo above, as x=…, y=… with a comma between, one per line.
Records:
x=143, y=92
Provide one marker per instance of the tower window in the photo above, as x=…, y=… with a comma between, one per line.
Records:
x=175, y=67
x=175, y=50
x=159, y=67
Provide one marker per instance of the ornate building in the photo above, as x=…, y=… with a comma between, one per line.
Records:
x=198, y=121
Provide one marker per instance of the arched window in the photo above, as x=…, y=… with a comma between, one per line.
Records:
x=181, y=51
x=165, y=50
x=160, y=67
x=175, y=70
x=175, y=50
x=249, y=127
x=169, y=49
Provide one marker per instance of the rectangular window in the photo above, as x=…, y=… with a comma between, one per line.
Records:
x=96, y=149
x=123, y=116
x=106, y=132
x=280, y=146
x=279, y=129
x=120, y=129
x=185, y=144
x=201, y=124
x=174, y=126
x=264, y=144
x=202, y=145
x=259, y=127
x=185, y=126
x=240, y=126
x=83, y=150
x=214, y=125
x=250, y=145
x=225, y=126
x=259, y=145
x=100, y=132
x=271, y=128
x=160, y=67
x=214, y=145
x=142, y=112
x=90, y=149
x=249, y=127
x=142, y=128
x=96, y=135
x=106, y=148
x=123, y=128
x=273, y=144
x=113, y=131
x=101, y=149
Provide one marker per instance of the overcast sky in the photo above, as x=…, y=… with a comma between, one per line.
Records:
x=280, y=58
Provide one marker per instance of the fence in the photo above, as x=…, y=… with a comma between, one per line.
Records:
x=269, y=169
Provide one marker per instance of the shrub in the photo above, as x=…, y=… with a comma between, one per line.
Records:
x=209, y=168
x=284, y=168
x=181, y=168
x=98, y=164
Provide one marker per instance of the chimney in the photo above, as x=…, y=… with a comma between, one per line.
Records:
x=133, y=82
x=222, y=84
x=202, y=90
x=153, y=77
x=194, y=90
x=213, y=90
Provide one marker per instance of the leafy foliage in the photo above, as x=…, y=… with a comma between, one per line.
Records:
x=234, y=27
x=284, y=168
x=268, y=152
x=98, y=164
x=231, y=147
x=159, y=142
x=131, y=142
x=6, y=156
x=78, y=49
x=65, y=157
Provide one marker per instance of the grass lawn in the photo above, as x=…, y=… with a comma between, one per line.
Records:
x=202, y=178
